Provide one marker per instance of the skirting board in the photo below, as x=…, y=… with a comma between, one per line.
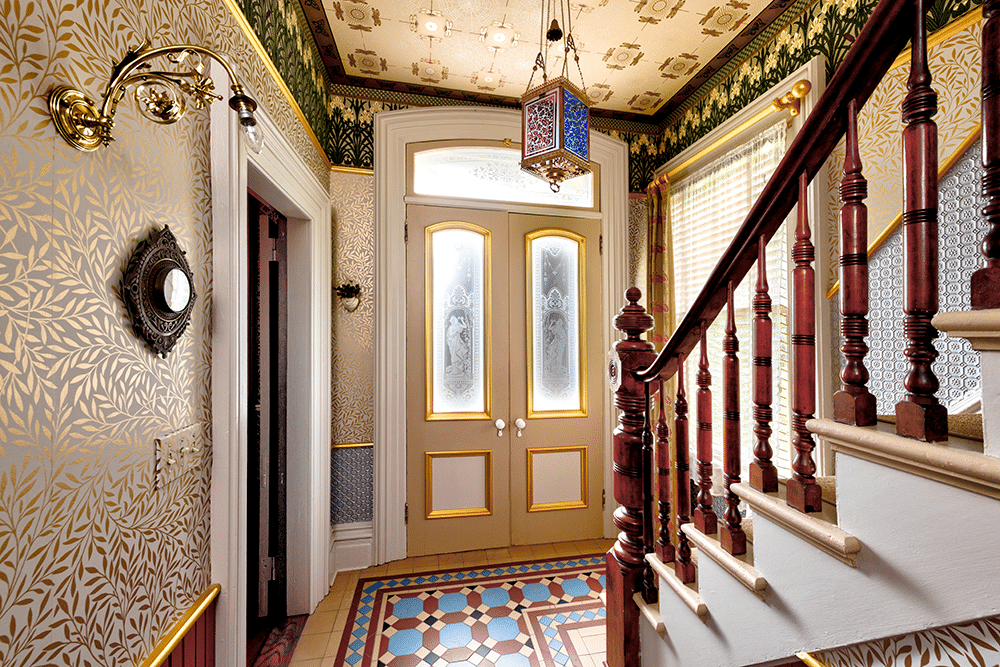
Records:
x=350, y=547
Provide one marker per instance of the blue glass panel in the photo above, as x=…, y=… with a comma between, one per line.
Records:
x=575, y=125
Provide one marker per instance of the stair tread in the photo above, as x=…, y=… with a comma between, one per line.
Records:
x=964, y=427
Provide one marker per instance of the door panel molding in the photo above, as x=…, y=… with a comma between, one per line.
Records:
x=393, y=131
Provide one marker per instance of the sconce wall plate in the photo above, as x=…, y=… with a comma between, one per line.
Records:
x=158, y=290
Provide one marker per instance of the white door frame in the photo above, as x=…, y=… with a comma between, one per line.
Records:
x=280, y=176
x=393, y=131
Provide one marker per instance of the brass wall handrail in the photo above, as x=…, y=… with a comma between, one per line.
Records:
x=187, y=620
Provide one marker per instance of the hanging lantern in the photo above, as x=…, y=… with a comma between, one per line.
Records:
x=555, y=116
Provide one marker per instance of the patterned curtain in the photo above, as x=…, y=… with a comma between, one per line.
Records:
x=659, y=263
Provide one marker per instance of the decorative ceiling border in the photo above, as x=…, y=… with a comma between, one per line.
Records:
x=258, y=47
x=367, y=87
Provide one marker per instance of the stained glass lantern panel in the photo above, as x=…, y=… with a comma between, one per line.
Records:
x=555, y=123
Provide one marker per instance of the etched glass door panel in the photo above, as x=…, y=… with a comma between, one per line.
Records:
x=457, y=297
x=556, y=323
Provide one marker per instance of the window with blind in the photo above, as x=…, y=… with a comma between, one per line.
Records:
x=707, y=207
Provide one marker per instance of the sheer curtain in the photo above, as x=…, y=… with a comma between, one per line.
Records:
x=706, y=208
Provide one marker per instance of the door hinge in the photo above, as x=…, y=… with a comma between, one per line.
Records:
x=406, y=513
x=406, y=232
x=267, y=568
x=604, y=498
x=600, y=244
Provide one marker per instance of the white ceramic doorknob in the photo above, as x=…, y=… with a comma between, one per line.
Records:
x=500, y=424
x=519, y=424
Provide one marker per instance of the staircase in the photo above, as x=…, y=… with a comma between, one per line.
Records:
x=906, y=536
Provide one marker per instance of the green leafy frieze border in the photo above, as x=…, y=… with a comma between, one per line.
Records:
x=282, y=29
x=807, y=29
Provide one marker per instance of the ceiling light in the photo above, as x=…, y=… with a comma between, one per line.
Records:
x=499, y=37
x=555, y=116
x=431, y=26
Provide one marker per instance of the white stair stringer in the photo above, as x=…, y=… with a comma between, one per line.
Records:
x=927, y=558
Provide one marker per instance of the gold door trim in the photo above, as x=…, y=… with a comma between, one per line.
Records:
x=565, y=505
x=430, y=414
x=529, y=306
x=429, y=511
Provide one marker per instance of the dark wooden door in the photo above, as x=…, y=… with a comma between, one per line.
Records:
x=266, y=533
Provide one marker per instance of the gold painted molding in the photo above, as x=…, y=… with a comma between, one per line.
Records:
x=169, y=642
x=581, y=361
x=352, y=445
x=340, y=169
x=809, y=660
x=561, y=505
x=798, y=90
x=251, y=36
x=944, y=168
x=429, y=511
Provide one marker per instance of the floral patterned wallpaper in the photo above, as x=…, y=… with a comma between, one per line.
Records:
x=96, y=563
x=972, y=644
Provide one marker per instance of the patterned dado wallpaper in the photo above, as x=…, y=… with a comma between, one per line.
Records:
x=96, y=562
x=973, y=644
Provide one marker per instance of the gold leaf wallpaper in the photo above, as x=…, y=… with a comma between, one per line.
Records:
x=972, y=644
x=956, y=65
x=353, y=411
x=95, y=564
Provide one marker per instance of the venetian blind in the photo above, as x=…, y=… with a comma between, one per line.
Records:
x=707, y=207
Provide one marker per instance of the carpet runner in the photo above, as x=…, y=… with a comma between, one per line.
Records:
x=534, y=614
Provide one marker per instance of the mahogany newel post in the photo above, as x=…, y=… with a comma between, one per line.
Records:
x=664, y=547
x=704, y=516
x=763, y=474
x=802, y=491
x=625, y=560
x=986, y=281
x=854, y=404
x=649, y=589
x=731, y=535
x=919, y=415
x=683, y=565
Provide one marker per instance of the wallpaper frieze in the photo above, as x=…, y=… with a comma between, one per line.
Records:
x=807, y=29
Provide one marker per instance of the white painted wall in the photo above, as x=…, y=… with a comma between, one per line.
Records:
x=928, y=558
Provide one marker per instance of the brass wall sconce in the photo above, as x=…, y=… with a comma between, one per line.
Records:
x=161, y=95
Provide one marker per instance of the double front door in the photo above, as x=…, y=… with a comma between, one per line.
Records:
x=504, y=401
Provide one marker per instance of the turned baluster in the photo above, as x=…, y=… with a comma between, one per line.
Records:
x=664, y=547
x=919, y=415
x=803, y=492
x=683, y=565
x=854, y=404
x=986, y=281
x=649, y=589
x=626, y=559
x=731, y=535
x=763, y=474
x=704, y=515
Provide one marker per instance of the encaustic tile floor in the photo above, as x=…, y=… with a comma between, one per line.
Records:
x=466, y=609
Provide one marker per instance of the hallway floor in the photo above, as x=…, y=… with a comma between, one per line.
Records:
x=324, y=629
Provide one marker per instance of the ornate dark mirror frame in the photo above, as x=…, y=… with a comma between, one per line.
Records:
x=158, y=290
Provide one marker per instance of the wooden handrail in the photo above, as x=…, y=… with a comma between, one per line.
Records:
x=886, y=33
